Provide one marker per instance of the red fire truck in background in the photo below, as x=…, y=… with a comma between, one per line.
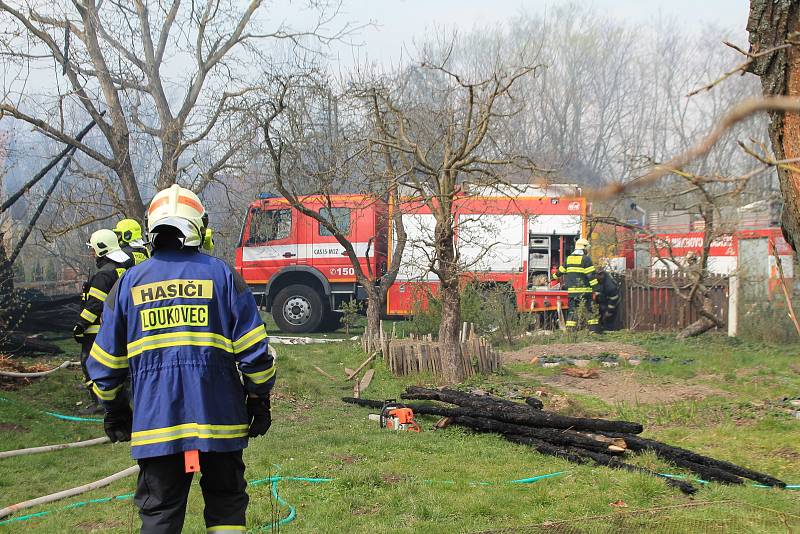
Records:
x=747, y=247
x=302, y=274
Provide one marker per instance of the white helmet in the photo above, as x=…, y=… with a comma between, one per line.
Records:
x=179, y=208
x=581, y=244
x=105, y=245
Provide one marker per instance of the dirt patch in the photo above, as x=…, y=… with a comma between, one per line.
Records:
x=786, y=453
x=615, y=387
x=584, y=350
x=366, y=510
x=9, y=427
x=391, y=478
x=348, y=458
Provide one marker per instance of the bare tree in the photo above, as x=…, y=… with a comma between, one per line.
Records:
x=316, y=155
x=169, y=75
x=446, y=123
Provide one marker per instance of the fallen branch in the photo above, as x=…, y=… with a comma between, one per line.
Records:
x=786, y=294
x=70, y=492
x=49, y=448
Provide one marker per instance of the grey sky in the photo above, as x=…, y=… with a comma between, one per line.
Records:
x=399, y=22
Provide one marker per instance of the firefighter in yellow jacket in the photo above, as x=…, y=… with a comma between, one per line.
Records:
x=129, y=233
x=578, y=278
x=110, y=266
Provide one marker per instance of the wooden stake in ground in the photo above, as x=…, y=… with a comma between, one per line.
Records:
x=360, y=367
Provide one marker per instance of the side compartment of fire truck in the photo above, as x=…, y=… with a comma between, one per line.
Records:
x=517, y=243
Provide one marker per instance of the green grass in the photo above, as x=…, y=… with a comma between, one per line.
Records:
x=390, y=482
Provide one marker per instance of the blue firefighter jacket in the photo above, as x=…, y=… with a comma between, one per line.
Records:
x=183, y=325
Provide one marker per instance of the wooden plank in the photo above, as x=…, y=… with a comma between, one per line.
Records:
x=364, y=384
x=323, y=373
x=348, y=371
x=360, y=367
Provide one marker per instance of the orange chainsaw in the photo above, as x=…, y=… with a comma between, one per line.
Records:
x=396, y=416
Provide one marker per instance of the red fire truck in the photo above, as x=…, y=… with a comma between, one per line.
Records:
x=302, y=274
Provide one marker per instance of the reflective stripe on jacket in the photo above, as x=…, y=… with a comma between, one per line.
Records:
x=578, y=276
x=95, y=294
x=136, y=253
x=184, y=326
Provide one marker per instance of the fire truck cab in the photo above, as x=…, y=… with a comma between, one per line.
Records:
x=297, y=268
x=302, y=274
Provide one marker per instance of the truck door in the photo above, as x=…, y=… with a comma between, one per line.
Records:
x=328, y=255
x=269, y=243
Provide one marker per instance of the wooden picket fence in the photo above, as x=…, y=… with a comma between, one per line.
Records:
x=650, y=300
x=412, y=355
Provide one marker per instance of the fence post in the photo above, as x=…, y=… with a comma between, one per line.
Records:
x=733, y=305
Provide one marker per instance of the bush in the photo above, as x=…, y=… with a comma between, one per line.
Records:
x=768, y=321
x=491, y=308
x=351, y=313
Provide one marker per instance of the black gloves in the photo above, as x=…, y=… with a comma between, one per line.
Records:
x=77, y=333
x=258, y=411
x=118, y=422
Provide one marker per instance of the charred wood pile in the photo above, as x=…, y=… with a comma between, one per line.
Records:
x=580, y=440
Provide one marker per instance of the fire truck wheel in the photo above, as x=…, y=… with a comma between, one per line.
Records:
x=298, y=309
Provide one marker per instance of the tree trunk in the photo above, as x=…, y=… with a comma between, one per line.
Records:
x=706, y=322
x=770, y=24
x=167, y=173
x=134, y=207
x=449, y=334
x=372, y=331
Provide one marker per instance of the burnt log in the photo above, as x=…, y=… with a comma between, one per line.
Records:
x=551, y=435
x=686, y=458
x=709, y=473
x=476, y=420
x=19, y=343
x=469, y=400
x=520, y=414
x=534, y=403
x=582, y=456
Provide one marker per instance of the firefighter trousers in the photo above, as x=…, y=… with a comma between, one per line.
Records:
x=86, y=346
x=163, y=487
x=581, y=311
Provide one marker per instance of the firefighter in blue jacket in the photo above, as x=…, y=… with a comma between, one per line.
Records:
x=184, y=326
x=578, y=277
